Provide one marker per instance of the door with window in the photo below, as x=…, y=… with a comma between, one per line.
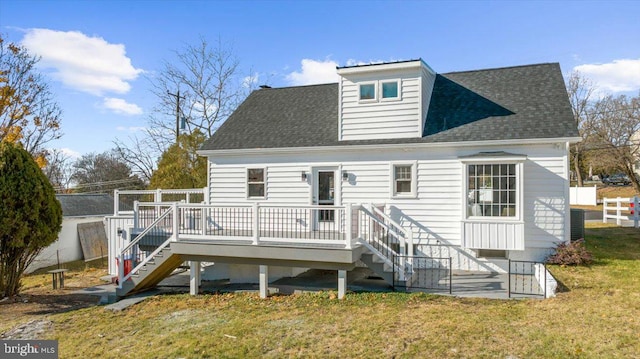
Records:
x=324, y=194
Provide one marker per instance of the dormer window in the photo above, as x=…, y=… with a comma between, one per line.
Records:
x=379, y=91
x=368, y=91
x=389, y=90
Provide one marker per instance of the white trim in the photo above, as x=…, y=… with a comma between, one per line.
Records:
x=264, y=181
x=378, y=147
x=382, y=67
x=340, y=85
x=414, y=179
x=567, y=195
x=423, y=116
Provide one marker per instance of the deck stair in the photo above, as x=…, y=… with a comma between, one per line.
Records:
x=151, y=273
x=388, y=245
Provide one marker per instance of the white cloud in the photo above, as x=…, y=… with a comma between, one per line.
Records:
x=616, y=76
x=88, y=64
x=314, y=72
x=121, y=106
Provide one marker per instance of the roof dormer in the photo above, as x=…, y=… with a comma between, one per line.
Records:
x=386, y=100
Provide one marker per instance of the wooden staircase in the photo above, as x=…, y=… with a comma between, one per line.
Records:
x=154, y=271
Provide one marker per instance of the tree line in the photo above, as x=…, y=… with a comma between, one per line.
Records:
x=610, y=130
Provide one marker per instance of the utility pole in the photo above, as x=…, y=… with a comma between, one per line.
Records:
x=177, y=96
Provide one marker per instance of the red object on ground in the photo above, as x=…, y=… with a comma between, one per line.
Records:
x=128, y=265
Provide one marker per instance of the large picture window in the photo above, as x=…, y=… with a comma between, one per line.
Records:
x=492, y=190
x=255, y=182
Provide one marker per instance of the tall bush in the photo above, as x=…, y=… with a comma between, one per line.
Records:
x=30, y=214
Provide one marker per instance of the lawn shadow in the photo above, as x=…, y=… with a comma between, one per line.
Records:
x=43, y=304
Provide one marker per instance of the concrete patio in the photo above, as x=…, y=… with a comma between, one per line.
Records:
x=464, y=284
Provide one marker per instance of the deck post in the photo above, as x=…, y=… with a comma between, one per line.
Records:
x=194, y=277
x=264, y=281
x=116, y=202
x=348, y=230
x=256, y=223
x=342, y=283
x=176, y=221
x=136, y=214
x=120, y=269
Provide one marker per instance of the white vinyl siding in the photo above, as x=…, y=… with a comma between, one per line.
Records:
x=435, y=215
x=380, y=118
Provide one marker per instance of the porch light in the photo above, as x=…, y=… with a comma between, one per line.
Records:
x=345, y=176
x=304, y=176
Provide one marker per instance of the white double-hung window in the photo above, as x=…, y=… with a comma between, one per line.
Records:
x=255, y=183
x=403, y=180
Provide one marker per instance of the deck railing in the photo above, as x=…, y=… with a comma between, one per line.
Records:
x=123, y=200
x=256, y=222
x=431, y=273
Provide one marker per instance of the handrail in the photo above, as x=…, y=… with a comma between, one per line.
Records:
x=408, y=239
x=143, y=262
x=383, y=249
x=148, y=229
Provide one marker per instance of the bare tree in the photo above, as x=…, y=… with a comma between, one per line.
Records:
x=28, y=112
x=58, y=169
x=613, y=131
x=209, y=84
x=580, y=91
x=142, y=152
x=201, y=89
x=103, y=173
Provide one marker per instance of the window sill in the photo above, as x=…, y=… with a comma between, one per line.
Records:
x=492, y=220
x=405, y=196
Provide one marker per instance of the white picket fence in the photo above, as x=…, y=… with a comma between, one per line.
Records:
x=619, y=205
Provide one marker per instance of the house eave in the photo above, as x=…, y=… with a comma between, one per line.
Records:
x=377, y=147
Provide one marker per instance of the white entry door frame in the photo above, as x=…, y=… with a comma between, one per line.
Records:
x=325, y=192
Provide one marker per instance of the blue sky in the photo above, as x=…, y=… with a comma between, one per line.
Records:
x=98, y=54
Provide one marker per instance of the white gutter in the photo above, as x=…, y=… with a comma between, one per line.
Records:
x=377, y=147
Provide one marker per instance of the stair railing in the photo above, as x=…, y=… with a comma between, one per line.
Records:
x=132, y=258
x=380, y=234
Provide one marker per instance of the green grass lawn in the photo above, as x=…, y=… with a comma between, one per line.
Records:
x=596, y=316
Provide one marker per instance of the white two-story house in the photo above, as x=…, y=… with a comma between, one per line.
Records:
x=392, y=162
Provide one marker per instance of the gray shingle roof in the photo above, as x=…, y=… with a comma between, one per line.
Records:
x=510, y=103
x=76, y=205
